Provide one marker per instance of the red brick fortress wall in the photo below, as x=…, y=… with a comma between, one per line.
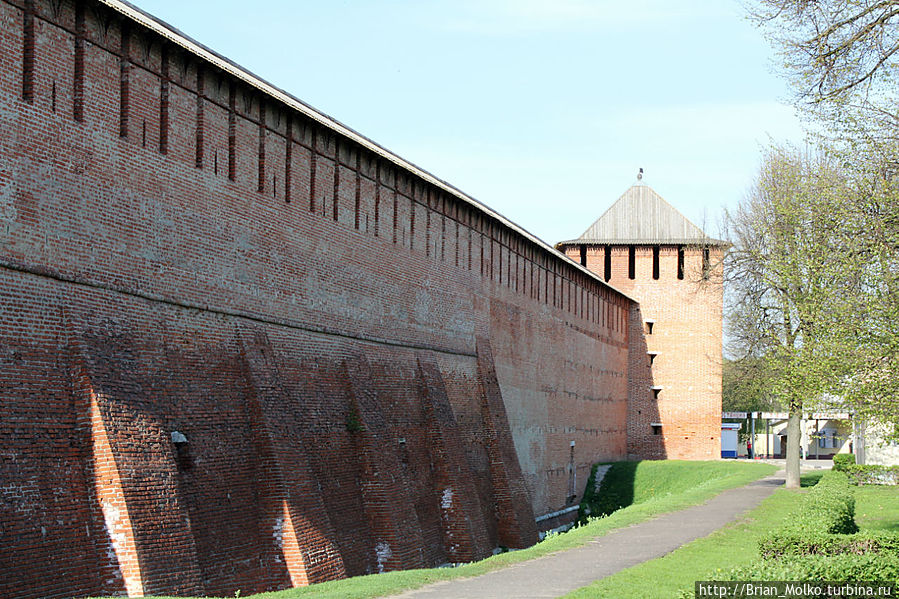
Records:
x=239, y=350
x=674, y=365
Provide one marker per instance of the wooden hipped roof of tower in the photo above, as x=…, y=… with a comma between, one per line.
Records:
x=643, y=217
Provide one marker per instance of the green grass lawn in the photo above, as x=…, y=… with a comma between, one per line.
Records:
x=662, y=486
x=877, y=508
x=731, y=546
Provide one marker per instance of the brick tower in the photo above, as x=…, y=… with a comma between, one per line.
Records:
x=648, y=250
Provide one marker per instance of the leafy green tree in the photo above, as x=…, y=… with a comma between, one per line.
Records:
x=787, y=285
x=747, y=386
x=870, y=328
x=842, y=57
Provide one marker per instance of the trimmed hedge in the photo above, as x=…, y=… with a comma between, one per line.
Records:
x=872, y=474
x=819, y=543
x=845, y=567
x=829, y=507
x=793, y=544
x=880, y=567
x=842, y=460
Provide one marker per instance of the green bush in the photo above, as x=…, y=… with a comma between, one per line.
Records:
x=797, y=544
x=829, y=507
x=881, y=567
x=819, y=542
x=842, y=460
x=872, y=474
x=844, y=567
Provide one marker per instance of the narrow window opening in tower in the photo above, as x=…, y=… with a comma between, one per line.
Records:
x=655, y=392
x=183, y=457
x=656, y=429
x=655, y=262
x=649, y=324
x=652, y=358
x=680, y=262
x=705, y=264
x=28, y=53
x=583, y=255
x=404, y=453
x=631, y=262
x=607, y=263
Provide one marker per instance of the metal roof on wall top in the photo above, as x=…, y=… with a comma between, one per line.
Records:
x=171, y=33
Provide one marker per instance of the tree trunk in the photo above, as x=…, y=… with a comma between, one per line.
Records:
x=794, y=441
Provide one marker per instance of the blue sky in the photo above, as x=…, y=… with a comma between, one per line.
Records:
x=543, y=110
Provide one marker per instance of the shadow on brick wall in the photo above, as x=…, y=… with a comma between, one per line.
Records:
x=645, y=431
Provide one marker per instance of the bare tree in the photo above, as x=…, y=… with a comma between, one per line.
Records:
x=841, y=56
x=833, y=46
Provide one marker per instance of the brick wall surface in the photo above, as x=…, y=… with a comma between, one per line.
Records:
x=364, y=371
x=675, y=371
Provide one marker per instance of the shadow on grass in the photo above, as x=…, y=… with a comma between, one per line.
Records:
x=617, y=491
x=810, y=479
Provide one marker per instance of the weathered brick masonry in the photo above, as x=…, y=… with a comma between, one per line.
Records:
x=647, y=249
x=242, y=347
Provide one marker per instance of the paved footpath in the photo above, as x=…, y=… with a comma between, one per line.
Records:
x=559, y=573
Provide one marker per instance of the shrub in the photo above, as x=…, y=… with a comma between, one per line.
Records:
x=815, y=546
x=873, y=474
x=843, y=567
x=842, y=460
x=829, y=507
x=796, y=544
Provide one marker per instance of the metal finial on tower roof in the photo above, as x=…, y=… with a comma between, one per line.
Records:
x=640, y=174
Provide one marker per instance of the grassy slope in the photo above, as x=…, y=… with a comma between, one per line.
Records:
x=694, y=482
x=636, y=482
x=877, y=508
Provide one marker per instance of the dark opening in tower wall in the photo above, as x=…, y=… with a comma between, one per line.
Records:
x=607, y=263
x=631, y=262
x=655, y=262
